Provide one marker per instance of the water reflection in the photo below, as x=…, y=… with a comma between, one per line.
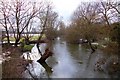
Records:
x=69, y=61
x=66, y=67
x=86, y=61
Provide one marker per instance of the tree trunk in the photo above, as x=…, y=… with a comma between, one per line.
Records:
x=27, y=41
x=106, y=18
x=45, y=55
x=16, y=42
x=43, y=58
x=8, y=39
x=89, y=42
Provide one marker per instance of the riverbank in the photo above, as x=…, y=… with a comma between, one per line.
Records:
x=12, y=64
x=77, y=58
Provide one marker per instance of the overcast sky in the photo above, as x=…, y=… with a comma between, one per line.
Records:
x=65, y=8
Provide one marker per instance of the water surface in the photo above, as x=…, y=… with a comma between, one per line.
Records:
x=69, y=61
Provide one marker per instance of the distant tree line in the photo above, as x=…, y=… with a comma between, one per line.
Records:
x=95, y=22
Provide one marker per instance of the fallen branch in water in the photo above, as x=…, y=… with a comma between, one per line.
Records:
x=43, y=58
x=45, y=55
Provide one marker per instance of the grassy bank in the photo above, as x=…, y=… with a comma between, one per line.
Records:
x=31, y=38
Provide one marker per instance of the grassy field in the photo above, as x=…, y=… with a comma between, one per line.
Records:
x=11, y=39
x=31, y=38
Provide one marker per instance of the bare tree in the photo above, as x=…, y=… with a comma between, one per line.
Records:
x=52, y=25
x=20, y=16
x=28, y=31
x=115, y=5
x=43, y=23
x=61, y=28
x=108, y=11
x=4, y=11
x=84, y=18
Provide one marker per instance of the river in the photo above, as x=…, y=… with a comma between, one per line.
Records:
x=68, y=61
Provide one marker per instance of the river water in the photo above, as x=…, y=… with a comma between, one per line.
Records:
x=68, y=61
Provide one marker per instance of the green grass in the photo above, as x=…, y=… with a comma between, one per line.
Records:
x=32, y=38
x=28, y=47
x=44, y=36
x=21, y=40
x=36, y=37
x=11, y=39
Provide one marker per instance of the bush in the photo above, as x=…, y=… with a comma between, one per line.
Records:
x=28, y=47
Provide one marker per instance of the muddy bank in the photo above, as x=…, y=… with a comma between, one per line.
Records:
x=14, y=68
x=12, y=65
x=15, y=52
